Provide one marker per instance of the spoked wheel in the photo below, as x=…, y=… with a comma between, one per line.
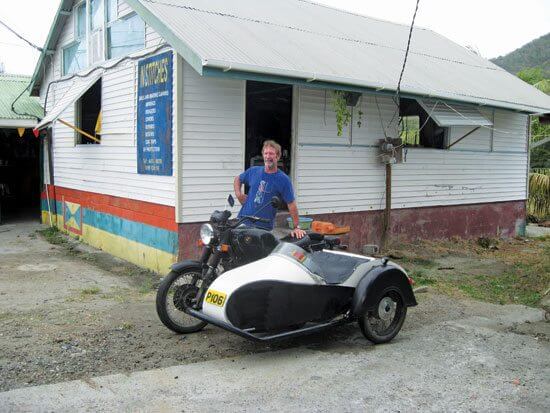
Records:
x=176, y=292
x=383, y=323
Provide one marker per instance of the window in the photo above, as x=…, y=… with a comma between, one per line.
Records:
x=112, y=10
x=74, y=57
x=88, y=115
x=125, y=36
x=80, y=29
x=97, y=15
x=418, y=129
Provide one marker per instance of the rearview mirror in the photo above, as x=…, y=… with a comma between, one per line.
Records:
x=231, y=200
x=276, y=202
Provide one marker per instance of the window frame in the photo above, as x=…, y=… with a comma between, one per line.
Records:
x=109, y=25
x=78, y=137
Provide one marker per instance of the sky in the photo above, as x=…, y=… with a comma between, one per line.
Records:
x=492, y=27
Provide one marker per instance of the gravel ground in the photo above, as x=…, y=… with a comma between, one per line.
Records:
x=71, y=312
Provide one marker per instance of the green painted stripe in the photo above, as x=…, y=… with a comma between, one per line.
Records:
x=151, y=236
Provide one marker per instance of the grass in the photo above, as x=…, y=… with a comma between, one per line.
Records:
x=53, y=236
x=89, y=291
x=522, y=275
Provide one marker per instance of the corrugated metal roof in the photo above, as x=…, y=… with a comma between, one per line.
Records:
x=78, y=87
x=10, y=87
x=304, y=40
x=445, y=114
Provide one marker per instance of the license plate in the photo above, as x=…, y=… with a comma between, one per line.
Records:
x=215, y=298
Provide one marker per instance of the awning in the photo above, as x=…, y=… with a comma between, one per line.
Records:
x=447, y=114
x=74, y=92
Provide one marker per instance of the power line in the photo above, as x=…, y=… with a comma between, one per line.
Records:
x=21, y=37
x=406, y=52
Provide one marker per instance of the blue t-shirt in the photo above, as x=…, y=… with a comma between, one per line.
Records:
x=263, y=187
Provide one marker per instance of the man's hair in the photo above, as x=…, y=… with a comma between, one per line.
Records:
x=274, y=145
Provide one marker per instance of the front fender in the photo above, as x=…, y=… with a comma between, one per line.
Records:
x=185, y=265
x=377, y=281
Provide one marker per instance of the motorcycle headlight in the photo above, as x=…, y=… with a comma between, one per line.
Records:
x=207, y=233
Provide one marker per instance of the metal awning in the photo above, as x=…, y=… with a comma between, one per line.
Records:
x=446, y=114
x=74, y=92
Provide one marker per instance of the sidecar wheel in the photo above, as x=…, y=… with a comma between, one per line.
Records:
x=174, y=294
x=383, y=323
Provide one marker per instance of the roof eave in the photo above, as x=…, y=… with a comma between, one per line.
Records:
x=55, y=30
x=183, y=49
x=246, y=71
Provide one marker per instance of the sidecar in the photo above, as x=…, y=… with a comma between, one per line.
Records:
x=293, y=292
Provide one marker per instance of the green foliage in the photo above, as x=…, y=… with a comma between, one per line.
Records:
x=535, y=54
x=410, y=130
x=531, y=75
x=538, y=204
x=343, y=112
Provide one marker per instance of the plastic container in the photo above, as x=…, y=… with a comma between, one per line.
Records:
x=323, y=227
x=304, y=223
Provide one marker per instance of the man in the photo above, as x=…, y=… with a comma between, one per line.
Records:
x=265, y=182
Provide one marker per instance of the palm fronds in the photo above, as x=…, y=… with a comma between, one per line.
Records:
x=538, y=203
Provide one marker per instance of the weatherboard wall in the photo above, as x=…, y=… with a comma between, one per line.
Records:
x=212, y=145
x=344, y=174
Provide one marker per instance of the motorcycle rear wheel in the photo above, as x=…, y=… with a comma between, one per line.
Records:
x=382, y=324
x=174, y=294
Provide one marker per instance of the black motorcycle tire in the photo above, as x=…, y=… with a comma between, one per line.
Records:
x=163, y=301
x=368, y=319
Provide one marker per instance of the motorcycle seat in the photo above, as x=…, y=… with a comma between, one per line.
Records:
x=336, y=268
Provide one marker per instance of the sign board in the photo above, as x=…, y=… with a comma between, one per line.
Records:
x=154, y=115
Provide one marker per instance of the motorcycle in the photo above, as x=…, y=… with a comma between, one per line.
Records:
x=252, y=284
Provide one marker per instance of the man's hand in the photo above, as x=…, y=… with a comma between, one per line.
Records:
x=297, y=233
x=242, y=198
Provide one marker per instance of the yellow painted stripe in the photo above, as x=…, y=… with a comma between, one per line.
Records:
x=134, y=252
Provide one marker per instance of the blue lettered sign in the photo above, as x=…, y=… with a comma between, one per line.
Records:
x=154, y=115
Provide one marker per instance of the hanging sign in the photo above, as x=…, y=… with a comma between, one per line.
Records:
x=154, y=115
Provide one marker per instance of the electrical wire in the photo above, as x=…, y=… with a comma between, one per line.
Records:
x=21, y=37
x=29, y=84
x=89, y=72
x=396, y=98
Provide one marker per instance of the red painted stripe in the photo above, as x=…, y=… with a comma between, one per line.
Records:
x=161, y=216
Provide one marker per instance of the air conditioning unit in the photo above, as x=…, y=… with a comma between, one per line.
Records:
x=97, y=46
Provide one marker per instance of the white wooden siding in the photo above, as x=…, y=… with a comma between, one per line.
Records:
x=110, y=167
x=152, y=38
x=212, y=143
x=332, y=176
x=510, y=132
x=123, y=8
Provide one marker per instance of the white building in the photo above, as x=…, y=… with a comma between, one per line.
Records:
x=239, y=72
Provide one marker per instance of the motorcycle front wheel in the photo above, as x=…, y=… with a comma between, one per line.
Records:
x=174, y=295
x=382, y=324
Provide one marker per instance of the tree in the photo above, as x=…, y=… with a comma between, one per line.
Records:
x=540, y=156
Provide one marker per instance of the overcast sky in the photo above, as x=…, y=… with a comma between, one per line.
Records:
x=493, y=27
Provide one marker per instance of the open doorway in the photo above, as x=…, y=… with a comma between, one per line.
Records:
x=268, y=116
x=19, y=176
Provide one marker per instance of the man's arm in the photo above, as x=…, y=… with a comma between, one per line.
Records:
x=238, y=193
x=293, y=210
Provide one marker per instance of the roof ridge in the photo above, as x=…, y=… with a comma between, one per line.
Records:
x=14, y=75
x=334, y=36
x=361, y=15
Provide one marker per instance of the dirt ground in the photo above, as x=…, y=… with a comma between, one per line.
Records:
x=68, y=311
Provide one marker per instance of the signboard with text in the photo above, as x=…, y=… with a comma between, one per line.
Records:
x=154, y=115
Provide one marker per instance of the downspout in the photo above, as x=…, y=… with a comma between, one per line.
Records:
x=387, y=210
x=178, y=142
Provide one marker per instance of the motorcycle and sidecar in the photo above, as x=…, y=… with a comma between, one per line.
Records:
x=252, y=284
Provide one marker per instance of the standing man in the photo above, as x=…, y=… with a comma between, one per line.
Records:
x=265, y=182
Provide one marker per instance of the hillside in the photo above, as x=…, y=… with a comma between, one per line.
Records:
x=535, y=54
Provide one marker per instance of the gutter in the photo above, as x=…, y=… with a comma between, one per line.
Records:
x=344, y=83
